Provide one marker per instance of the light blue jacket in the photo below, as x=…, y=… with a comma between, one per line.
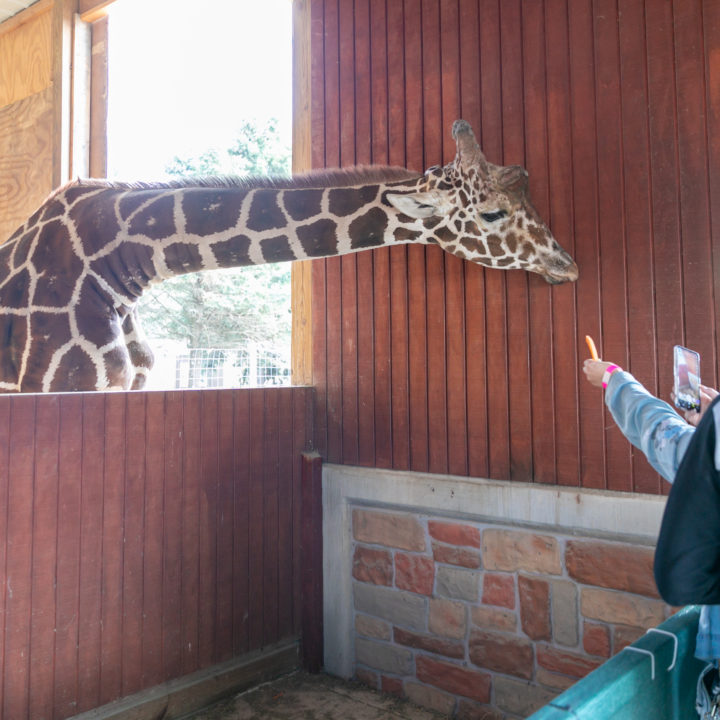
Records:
x=654, y=427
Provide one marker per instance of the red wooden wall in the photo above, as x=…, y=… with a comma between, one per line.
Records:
x=143, y=536
x=422, y=361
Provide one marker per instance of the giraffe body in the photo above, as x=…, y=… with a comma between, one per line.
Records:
x=71, y=275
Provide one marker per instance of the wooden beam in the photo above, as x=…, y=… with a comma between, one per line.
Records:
x=301, y=275
x=62, y=34
x=30, y=13
x=93, y=10
x=99, y=98
x=178, y=697
x=80, y=99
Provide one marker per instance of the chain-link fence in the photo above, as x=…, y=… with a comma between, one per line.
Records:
x=251, y=365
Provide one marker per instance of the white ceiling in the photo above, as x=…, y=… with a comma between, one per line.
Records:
x=8, y=8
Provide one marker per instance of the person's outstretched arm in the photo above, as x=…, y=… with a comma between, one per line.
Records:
x=647, y=422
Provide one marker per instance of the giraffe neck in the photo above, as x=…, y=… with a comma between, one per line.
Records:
x=168, y=230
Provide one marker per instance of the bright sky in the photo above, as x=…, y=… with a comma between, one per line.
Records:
x=185, y=73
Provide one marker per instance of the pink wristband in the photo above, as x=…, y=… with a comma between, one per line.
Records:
x=610, y=370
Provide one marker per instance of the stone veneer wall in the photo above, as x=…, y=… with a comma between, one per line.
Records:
x=485, y=617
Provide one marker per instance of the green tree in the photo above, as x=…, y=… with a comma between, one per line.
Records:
x=258, y=150
x=225, y=308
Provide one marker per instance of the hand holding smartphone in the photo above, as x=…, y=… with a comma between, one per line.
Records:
x=687, y=378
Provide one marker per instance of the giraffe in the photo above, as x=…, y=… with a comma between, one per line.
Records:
x=70, y=277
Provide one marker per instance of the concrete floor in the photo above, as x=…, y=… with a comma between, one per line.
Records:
x=301, y=696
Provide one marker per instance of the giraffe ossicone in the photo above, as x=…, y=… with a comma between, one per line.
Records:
x=71, y=275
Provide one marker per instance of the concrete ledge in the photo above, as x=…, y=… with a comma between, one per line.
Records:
x=626, y=517
x=186, y=695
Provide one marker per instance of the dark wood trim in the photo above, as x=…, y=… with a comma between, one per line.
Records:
x=312, y=563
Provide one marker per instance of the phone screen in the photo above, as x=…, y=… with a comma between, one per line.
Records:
x=687, y=378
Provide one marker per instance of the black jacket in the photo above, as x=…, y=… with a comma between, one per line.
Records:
x=687, y=558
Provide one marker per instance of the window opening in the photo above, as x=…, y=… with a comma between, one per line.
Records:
x=198, y=89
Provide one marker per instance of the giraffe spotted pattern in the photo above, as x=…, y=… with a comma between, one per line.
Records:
x=71, y=275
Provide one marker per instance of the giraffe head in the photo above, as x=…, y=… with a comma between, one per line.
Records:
x=482, y=212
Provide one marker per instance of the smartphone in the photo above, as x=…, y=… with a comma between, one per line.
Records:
x=687, y=378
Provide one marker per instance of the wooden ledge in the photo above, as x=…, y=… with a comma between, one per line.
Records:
x=178, y=698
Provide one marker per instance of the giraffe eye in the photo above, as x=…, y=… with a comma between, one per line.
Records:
x=493, y=216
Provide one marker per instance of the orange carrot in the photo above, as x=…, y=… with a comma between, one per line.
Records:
x=591, y=345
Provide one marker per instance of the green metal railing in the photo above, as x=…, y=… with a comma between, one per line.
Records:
x=653, y=679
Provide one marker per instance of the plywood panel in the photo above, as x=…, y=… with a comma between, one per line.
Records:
x=25, y=159
x=26, y=59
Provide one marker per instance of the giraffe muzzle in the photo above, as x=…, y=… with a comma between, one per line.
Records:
x=558, y=275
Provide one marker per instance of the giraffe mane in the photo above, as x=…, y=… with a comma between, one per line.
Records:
x=344, y=177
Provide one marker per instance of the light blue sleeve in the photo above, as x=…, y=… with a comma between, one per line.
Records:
x=648, y=423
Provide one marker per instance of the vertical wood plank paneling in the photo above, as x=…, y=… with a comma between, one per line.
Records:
x=18, y=597
x=435, y=263
x=333, y=284
x=42, y=637
x=318, y=284
x=540, y=295
x=241, y=508
x=257, y=538
x=382, y=419
x=133, y=589
x=302, y=410
x=638, y=225
x=711, y=39
x=90, y=601
x=349, y=357
x=207, y=525
x=347, y=296
x=334, y=356
x=455, y=385
x=319, y=335
x=416, y=277
x=517, y=114
x=68, y=557
x=381, y=337
x=225, y=527
x=270, y=515
x=474, y=55
x=399, y=330
x=285, y=459
x=153, y=531
x=485, y=369
x=365, y=399
x=664, y=172
x=610, y=219
x=496, y=378
x=693, y=159
x=113, y=513
x=114, y=507
x=584, y=179
x=364, y=288
x=192, y=421
x=564, y=298
x=5, y=415
x=172, y=589
x=311, y=563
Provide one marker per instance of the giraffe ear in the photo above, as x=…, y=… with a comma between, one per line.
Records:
x=417, y=205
